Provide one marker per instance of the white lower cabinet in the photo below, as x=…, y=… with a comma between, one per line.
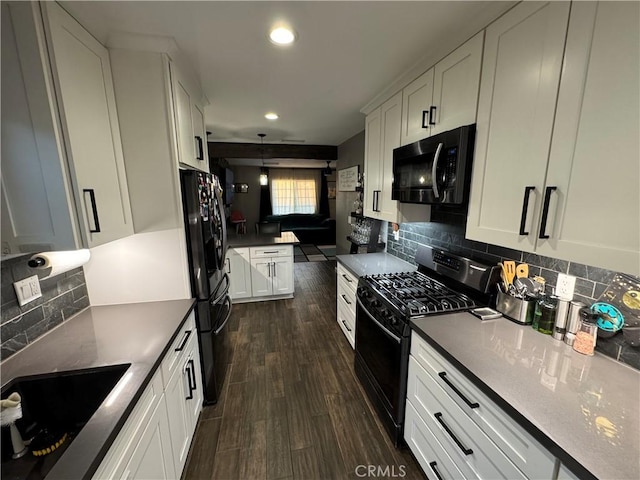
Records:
x=451, y=420
x=239, y=270
x=154, y=442
x=260, y=273
x=346, y=303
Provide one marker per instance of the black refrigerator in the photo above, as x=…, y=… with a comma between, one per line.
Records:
x=206, y=234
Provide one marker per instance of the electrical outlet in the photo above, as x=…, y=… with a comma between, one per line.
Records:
x=565, y=286
x=27, y=290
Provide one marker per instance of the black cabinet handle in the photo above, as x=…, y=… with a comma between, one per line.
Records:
x=200, y=147
x=184, y=341
x=525, y=207
x=187, y=370
x=443, y=376
x=274, y=268
x=346, y=299
x=193, y=374
x=347, y=278
x=434, y=466
x=466, y=451
x=425, y=113
x=432, y=115
x=345, y=325
x=545, y=211
x=94, y=209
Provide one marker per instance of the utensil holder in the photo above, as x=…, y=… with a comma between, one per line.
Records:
x=519, y=310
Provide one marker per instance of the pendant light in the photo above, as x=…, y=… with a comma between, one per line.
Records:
x=327, y=170
x=264, y=175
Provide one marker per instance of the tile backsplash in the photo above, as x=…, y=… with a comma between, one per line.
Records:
x=591, y=282
x=62, y=296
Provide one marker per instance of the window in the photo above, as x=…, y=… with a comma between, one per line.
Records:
x=293, y=191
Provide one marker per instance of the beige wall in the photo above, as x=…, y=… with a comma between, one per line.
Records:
x=350, y=153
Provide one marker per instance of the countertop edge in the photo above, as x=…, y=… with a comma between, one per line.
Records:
x=566, y=459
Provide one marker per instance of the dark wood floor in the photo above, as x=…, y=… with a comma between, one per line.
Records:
x=292, y=407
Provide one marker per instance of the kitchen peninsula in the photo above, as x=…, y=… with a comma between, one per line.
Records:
x=260, y=267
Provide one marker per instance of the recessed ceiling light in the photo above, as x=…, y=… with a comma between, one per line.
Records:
x=282, y=36
x=271, y=116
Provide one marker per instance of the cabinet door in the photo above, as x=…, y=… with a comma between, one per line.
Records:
x=37, y=209
x=239, y=270
x=194, y=404
x=152, y=457
x=417, y=98
x=390, y=122
x=455, y=87
x=520, y=77
x=179, y=419
x=282, y=275
x=184, y=119
x=372, y=184
x=84, y=86
x=261, y=277
x=595, y=150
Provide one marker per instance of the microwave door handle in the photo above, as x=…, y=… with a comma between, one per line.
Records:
x=434, y=169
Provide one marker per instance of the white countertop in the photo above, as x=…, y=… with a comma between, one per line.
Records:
x=373, y=263
x=585, y=410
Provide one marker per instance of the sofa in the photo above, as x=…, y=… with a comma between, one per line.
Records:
x=312, y=228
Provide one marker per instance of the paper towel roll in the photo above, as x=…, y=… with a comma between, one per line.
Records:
x=60, y=262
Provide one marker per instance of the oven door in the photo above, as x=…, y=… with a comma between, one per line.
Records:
x=380, y=353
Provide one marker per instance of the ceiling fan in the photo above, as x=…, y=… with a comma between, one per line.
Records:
x=327, y=170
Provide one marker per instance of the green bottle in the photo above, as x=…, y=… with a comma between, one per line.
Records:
x=545, y=316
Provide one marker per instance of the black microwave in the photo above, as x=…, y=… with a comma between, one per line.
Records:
x=435, y=170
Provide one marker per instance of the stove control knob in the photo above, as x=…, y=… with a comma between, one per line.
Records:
x=375, y=303
x=393, y=320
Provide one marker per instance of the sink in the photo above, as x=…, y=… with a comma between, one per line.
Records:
x=61, y=402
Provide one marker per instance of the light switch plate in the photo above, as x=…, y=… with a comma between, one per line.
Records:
x=27, y=290
x=565, y=286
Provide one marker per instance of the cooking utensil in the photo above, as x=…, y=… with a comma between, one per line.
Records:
x=528, y=285
x=510, y=269
x=522, y=270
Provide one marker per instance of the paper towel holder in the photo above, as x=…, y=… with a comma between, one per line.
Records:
x=36, y=262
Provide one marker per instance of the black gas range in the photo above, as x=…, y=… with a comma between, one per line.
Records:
x=444, y=283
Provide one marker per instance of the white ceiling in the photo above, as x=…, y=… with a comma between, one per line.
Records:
x=346, y=54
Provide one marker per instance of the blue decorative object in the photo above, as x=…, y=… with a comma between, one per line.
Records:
x=610, y=319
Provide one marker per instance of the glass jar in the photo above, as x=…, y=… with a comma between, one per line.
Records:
x=544, y=318
x=585, y=341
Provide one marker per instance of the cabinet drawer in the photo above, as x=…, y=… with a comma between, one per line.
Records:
x=178, y=347
x=519, y=446
x=349, y=279
x=279, y=251
x=425, y=447
x=347, y=322
x=347, y=297
x=472, y=451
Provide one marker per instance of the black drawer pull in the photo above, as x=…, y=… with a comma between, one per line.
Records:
x=466, y=451
x=545, y=212
x=184, y=341
x=443, y=376
x=94, y=209
x=345, y=325
x=346, y=299
x=434, y=466
x=425, y=114
x=347, y=278
x=193, y=374
x=525, y=208
x=187, y=370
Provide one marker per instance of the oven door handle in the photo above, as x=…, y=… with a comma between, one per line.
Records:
x=227, y=301
x=384, y=329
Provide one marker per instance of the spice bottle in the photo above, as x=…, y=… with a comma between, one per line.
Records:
x=545, y=316
x=585, y=341
x=562, y=313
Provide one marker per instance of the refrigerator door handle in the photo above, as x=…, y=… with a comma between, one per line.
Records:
x=224, y=292
x=227, y=300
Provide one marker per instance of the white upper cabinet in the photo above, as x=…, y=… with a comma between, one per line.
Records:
x=372, y=163
x=84, y=88
x=37, y=204
x=594, y=164
x=520, y=76
x=556, y=168
x=417, y=99
x=444, y=97
x=390, y=119
x=189, y=118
